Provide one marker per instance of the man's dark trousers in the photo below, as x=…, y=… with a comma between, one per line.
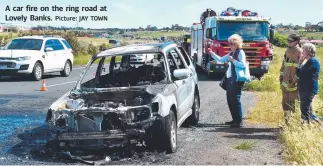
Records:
x=306, y=99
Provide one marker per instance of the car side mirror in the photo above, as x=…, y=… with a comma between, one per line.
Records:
x=181, y=73
x=47, y=49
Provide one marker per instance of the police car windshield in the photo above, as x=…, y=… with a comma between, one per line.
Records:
x=253, y=31
x=24, y=44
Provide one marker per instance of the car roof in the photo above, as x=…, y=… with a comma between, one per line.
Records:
x=135, y=49
x=40, y=37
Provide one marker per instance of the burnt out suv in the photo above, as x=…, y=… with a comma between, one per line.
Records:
x=117, y=102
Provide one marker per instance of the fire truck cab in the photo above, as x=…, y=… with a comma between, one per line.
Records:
x=213, y=32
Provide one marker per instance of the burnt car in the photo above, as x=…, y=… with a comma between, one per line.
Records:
x=120, y=103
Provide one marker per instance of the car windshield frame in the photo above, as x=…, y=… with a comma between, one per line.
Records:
x=39, y=44
x=258, y=31
x=113, y=42
x=78, y=86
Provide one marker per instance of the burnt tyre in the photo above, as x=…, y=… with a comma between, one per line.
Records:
x=169, y=137
x=37, y=73
x=67, y=69
x=162, y=135
x=151, y=137
x=194, y=118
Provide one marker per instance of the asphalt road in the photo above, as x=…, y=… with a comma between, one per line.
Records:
x=23, y=108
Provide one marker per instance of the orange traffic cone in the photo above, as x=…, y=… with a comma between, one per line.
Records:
x=43, y=88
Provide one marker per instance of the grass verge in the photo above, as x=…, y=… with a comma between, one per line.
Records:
x=302, y=144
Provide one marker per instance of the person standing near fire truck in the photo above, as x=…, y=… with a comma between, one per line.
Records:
x=237, y=59
x=288, y=75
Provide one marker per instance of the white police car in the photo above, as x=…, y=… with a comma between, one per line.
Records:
x=36, y=55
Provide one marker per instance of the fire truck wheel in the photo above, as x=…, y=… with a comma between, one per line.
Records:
x=195, y=60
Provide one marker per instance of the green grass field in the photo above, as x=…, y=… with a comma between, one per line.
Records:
x=315, y=35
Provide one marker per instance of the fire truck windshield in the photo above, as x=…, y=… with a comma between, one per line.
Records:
x=249, y=31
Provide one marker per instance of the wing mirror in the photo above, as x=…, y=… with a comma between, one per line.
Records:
x=182, y=73
x=47, y=49
x=271, y=35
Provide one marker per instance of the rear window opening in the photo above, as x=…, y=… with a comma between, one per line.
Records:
x=121, y=71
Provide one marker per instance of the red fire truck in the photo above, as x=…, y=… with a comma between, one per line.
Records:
x=213, y=32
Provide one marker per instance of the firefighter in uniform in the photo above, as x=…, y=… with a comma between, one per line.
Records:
x=288, y=75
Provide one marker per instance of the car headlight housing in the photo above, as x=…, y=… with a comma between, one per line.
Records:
x=25, y=58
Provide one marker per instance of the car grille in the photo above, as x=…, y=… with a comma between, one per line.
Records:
x=8, y=64
x=133, y=55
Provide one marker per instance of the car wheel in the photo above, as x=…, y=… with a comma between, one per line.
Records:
x=194, y=118
x=37, y=72
x=170, y=133
x=67, y=69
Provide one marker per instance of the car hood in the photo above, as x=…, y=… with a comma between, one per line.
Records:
x=17, y=53
x=155, y=91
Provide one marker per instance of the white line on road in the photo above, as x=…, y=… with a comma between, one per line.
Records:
x=78, y=68
x=62, y=83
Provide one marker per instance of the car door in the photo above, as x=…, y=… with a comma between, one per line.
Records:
x=181, y=84
x=191, y=81
x=49, y=56
x=61, y=54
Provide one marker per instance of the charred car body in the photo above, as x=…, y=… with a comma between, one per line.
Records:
x=125, y=103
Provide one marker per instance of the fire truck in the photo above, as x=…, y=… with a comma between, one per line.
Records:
x=213, y=32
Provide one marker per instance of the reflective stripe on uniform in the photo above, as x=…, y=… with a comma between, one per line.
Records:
x=288, y=89
x=288, y=64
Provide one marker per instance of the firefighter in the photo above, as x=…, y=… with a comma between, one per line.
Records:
x=288, y=75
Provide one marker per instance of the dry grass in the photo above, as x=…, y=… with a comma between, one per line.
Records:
x=94, y=41
x=303, y=144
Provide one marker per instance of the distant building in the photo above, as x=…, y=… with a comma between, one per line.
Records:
x=7, y=27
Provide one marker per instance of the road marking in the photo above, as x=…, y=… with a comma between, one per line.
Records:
x=62, y=83
x=78, y=68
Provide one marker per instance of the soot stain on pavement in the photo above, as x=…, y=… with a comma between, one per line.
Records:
x=27, y=139
x=20, y=96
x=11, y=123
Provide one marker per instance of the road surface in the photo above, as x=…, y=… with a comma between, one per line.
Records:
x=23, y=109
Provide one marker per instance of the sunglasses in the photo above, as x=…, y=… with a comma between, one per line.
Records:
x=290, y=41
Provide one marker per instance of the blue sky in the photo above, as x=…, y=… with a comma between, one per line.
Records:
x=135, y=13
